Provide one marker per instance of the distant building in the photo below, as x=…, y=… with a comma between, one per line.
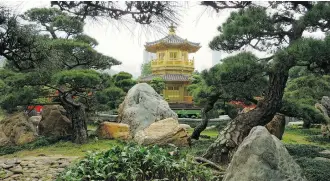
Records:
x=148, y=56
x=216, y=57
x=173, y=65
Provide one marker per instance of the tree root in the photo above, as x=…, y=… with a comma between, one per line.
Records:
x=209, y=163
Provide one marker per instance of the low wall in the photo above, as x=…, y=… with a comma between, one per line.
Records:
x=190, y=121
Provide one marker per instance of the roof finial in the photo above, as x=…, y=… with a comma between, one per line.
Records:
x=172, y=29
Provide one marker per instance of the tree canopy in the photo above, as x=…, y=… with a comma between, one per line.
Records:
x=158, y=84
x=276, y=28
x=238, y=78
x=50, y=53
x=143, y=12
x=124, y=80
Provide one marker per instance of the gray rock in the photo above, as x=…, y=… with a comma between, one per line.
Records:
x=262, y=157
x=326, y=102
x=6, y=166
x=163, y=132
x=143, y=106
x=185, y=126
x=35, y=120
x=17, y=170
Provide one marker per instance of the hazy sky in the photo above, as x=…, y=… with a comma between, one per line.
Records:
x=198, y=24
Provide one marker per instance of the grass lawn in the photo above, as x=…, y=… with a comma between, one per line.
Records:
x=67, y=148
x=213, y=133
x=305, y=136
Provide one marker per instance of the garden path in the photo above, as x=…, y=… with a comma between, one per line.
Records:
x=40, y=168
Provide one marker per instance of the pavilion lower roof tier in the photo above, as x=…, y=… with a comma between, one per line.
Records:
x=167, y=78
x=172, y=41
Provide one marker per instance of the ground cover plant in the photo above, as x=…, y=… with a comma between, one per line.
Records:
x=133, y=162
x=315, y=165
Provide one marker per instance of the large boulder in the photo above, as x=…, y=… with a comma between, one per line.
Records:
x=35, y=120
x=262, y=156
x=325, y=101
x=142, y=106
x=109, y=130
x=163, y=132
x=17, y=130
x=54, y=122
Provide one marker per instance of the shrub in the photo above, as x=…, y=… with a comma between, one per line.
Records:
x=314, y=170
x=318, y=139
x=136, y=163
x=297, y=150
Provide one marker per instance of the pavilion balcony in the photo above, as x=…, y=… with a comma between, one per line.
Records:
x=179, y=63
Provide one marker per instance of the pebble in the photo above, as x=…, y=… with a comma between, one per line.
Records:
x=17, y=170
x=5, y=166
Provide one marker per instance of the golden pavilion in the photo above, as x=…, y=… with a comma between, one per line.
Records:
x=173, y=65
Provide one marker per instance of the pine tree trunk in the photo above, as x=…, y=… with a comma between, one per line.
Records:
x=79, y=126
x=77, y=114
x=205, y=117
x=222, y=150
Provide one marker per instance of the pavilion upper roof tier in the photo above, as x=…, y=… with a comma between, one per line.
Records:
x=172, y=41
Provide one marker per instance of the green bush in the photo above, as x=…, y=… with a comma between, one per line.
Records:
x=136, y=163
x=300, y=150
x=314, y=170
x=318, y=139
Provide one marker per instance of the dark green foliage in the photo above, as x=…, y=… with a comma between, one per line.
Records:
x=53, y=59
x=319, y=139
x=110, y=97
x=158, y=84
x=296, y=72
x=137, y=163
x=199, y=147
x=308, y=113
x=77, y=79
x=314, y=170
x=14, y=90
x=238, y=78
x=310, y=88
x=124, y=81
x=53, y=20
x=302, y=93
x=40, y=142
x=298, y=150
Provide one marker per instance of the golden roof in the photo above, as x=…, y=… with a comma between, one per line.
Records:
x=172, y=41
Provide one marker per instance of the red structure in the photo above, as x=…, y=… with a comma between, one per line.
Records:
x=37, y=108
x=243, y=105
